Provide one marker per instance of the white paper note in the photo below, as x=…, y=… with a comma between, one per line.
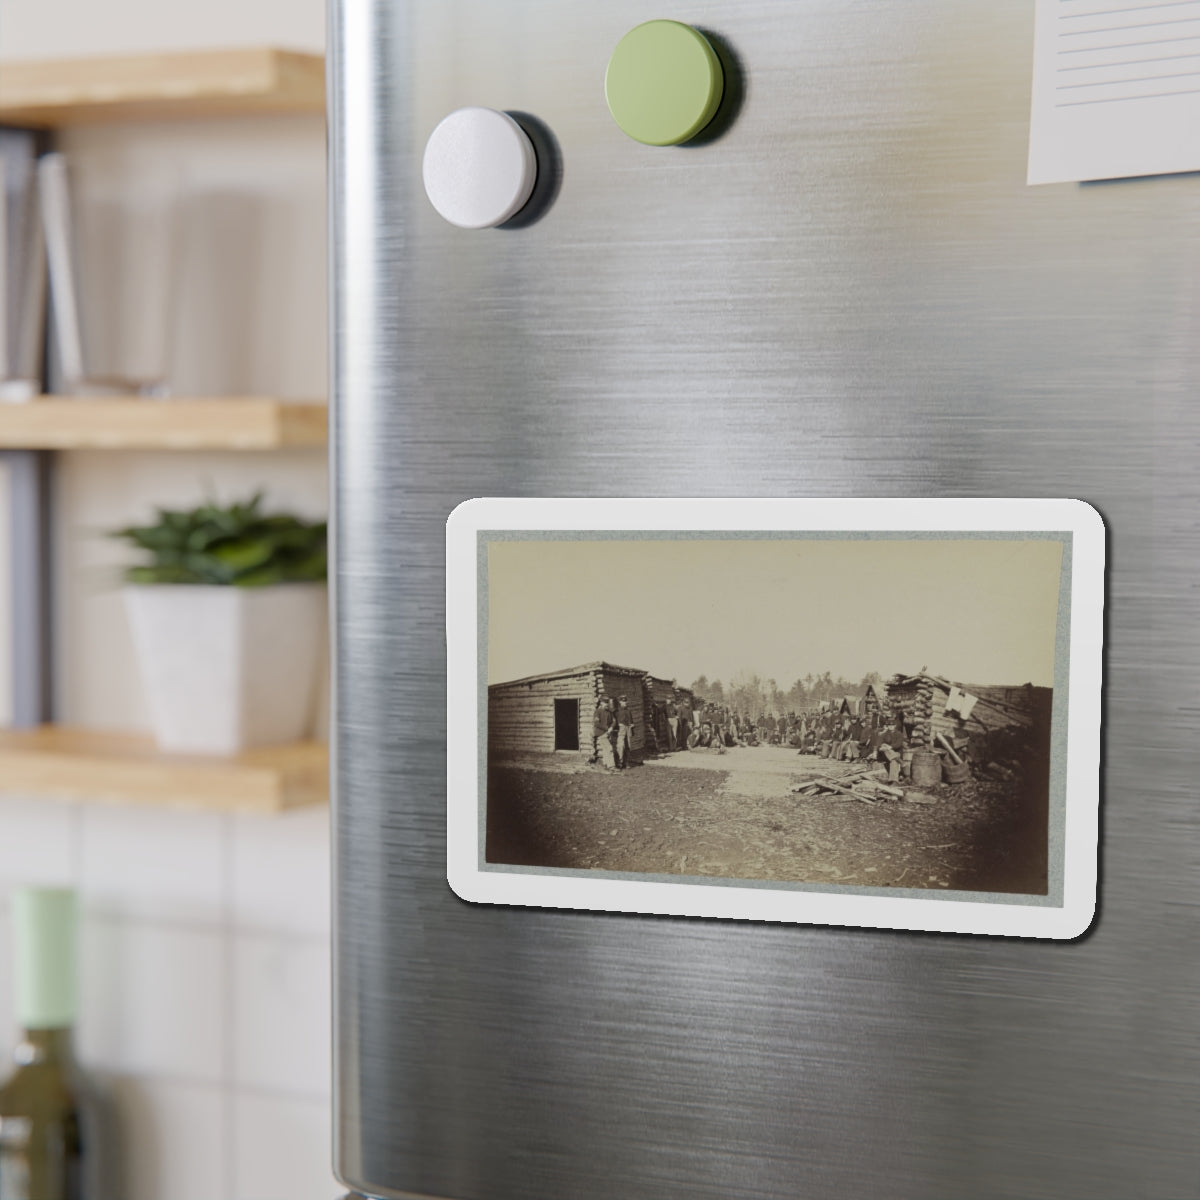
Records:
x=1116, y=89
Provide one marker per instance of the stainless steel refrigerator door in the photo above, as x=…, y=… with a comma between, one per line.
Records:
x=850, y=292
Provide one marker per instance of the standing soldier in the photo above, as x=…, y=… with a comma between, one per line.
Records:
x=624, y=734
x=672, y=722
x=604, y=731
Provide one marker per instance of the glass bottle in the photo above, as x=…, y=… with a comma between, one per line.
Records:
x=42, y=1139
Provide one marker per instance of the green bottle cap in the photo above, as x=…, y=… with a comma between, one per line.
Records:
x=44, y=924
x=664, y=83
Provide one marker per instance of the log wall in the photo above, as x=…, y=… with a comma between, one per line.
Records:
x=916, y=700
x=617, y=684
x=950, y=725
x=521, y=715
x=924, y=705
x=656, y=692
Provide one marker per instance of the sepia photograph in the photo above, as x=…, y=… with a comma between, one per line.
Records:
x=863, y=712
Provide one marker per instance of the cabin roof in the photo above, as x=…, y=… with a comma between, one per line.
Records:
x=592, y=668
x=1001, y=712
x=669, y=683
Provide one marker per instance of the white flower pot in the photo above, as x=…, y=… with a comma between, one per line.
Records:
x=227, y=668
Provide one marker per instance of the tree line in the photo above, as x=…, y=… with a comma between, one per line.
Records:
x=748, y=693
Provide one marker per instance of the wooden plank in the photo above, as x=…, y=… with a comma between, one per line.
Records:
x=141, y=87
x=86, y=765
x=225, y=423
x=837, y=787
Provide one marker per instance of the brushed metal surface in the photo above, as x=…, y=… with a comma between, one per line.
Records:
x=851, y=292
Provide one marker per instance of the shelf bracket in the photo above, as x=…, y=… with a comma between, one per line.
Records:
x=29, y=477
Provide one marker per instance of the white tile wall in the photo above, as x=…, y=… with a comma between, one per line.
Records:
x=38, y=843
x=156, y=1000
x=171, y=1142
x=282, y=1150
x=292, y=894
x=282, y=1015
x=154, y=864
x=205, y=978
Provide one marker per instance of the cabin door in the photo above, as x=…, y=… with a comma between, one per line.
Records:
x=566, y=724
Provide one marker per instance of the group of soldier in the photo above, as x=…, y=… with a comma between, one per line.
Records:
x=877, y=735
x=612, y=727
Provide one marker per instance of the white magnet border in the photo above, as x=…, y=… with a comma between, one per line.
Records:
x=945, y=912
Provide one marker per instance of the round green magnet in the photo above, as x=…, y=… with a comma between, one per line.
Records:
x=664, y=83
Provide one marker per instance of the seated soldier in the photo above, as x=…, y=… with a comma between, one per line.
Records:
x=707, y=738
x=852, y=743
x=829, y=737
x=839, y=737
x=887, y=745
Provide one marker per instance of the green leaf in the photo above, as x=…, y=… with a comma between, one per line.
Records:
x=233, y=545
x=161, y=574
x=242, y=554
x=262, y=577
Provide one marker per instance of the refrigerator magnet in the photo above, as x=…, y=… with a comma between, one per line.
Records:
x=872, y=713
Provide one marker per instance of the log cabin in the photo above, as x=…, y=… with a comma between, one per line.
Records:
x=873, y=701
x=922, y=700
x=544, y=714
x=656, y=694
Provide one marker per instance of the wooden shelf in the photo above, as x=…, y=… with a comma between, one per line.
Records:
x=216, y=83
x=77, y=764
x=228, y=423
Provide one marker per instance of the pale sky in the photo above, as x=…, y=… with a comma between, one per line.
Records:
x=982, y=611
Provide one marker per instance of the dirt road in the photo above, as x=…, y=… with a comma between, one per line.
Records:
x=735, y=816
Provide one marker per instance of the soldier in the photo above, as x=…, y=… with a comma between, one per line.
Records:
x=686, y=721
x=672, y=723
x=604, y=730
x=624, y=719
x=887, y=745
x=824, y=734
x=847, y=743
x=707, y=738
x=808, y=742
x=852, y=744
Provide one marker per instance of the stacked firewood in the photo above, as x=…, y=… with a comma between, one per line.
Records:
x=859, y=781
x=917, y=702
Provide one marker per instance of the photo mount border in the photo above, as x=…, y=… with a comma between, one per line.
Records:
x=1077, y=754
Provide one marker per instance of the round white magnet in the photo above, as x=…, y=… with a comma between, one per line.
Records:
x=479, y=168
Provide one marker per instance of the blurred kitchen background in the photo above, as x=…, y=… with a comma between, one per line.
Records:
x=205, y=939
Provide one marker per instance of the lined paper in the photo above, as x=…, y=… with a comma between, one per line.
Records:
x=1116, y=89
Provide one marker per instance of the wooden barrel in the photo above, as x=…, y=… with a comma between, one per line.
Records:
x=926, y=768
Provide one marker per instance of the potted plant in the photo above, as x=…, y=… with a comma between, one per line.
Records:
x=228, y=621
